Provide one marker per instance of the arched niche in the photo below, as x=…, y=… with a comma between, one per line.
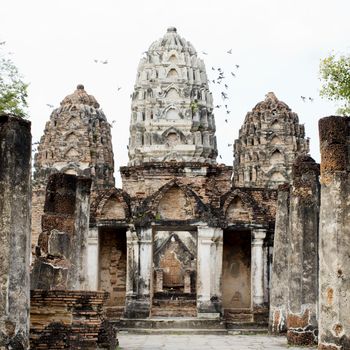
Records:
x=276, y=125
x=172, y=74
x=72, y=153
x=276, y=140
x=172, y=114
x=175, y=205
x=172, y=94
x=277, y=177
x=113, y=209
x=173, y=58
x=71, y=138
x=276, y=157
x=237, y=211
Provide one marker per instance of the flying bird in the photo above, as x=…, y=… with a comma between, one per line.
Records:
x=223, y=95
x=229, y=144
x=212, y=68
x=228, y=112
x=2, y=42
x=226, y=121
x=48, y=104
x=233, y=74
x=311, y=99
x=303, y=98
x=229, y=51
x=204, y=53
x=237, y=66
x=217, y=106
x=119, y=87
x=226, y=86
x=104, y=62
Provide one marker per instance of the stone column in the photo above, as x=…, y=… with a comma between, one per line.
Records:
x=209, y=271
x=139, y=274
x=303, y=255
x=279, y=278
x=334, y=241
x=92, y=259
x=159, y=280
x=15, y=231
x=257, y=269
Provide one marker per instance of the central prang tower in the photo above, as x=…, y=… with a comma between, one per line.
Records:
x=172, y=108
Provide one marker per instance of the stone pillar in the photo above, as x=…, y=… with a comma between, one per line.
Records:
x=303, y=254
x=210, y=243
x=258, y=236
x=159, y=280
x=187, y=281
x=279, y=277
x=92, y=259
x=15, y=231
x=77, y=278
x=334, y=241
x=139, y=274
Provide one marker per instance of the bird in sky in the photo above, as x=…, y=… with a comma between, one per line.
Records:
x=226, y=106
x=204, y=53
x=217, y=106
x=119, y=87
x=237, y=66
x=219, y=69
x=212, y=68
x=220, y=156
x=229, y=144
x=228, y=112
x=230, y=51
x=223, y=95
x=2, y=42
x=213, y=81
x=233, y=74
x=311, y=99
x=48, y=104
x=226, y=121
x=226, y=86
x=303, y=98
x=95, y=60
x=104, y=62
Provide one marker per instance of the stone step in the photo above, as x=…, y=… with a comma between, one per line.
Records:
x=171, y=323
x=173, y=313
x=178, y=331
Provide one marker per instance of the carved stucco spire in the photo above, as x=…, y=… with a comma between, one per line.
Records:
x=80, y=97
x=269, y=141
x=172, y=109
x=77, y=140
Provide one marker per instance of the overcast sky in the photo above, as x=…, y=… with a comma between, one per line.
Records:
x=277, y=44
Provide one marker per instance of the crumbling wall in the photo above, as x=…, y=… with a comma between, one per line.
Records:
x=15, y=156
x=334, y=246
x=303, y=252
x=61, y=253
x=69, y=320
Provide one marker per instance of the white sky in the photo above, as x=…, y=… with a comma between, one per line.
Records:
x=277, y=43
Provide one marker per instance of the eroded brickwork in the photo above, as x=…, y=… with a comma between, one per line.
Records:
x=69, y=320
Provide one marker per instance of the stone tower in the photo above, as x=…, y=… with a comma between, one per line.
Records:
x=269, y=141
x=172, y=107
x=77, y=140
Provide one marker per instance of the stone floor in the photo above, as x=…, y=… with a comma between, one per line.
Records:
x=202, y=342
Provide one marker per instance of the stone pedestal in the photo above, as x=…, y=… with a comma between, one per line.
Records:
x=334, y=241
x=210, y=245
x=15, y=231
x=257, y=269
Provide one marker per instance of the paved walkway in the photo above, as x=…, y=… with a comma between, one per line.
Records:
x=203, y=342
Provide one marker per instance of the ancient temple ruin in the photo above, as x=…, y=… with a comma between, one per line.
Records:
x=186, y=242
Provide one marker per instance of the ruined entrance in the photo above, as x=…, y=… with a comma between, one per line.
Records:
x=112, y=268
x=174, y=273
x=236, y=278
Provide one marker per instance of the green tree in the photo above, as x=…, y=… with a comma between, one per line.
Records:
x=13, y=91
x=335, y=77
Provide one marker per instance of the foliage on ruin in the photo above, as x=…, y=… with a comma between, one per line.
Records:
x=13, y=90
x=335, y=77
